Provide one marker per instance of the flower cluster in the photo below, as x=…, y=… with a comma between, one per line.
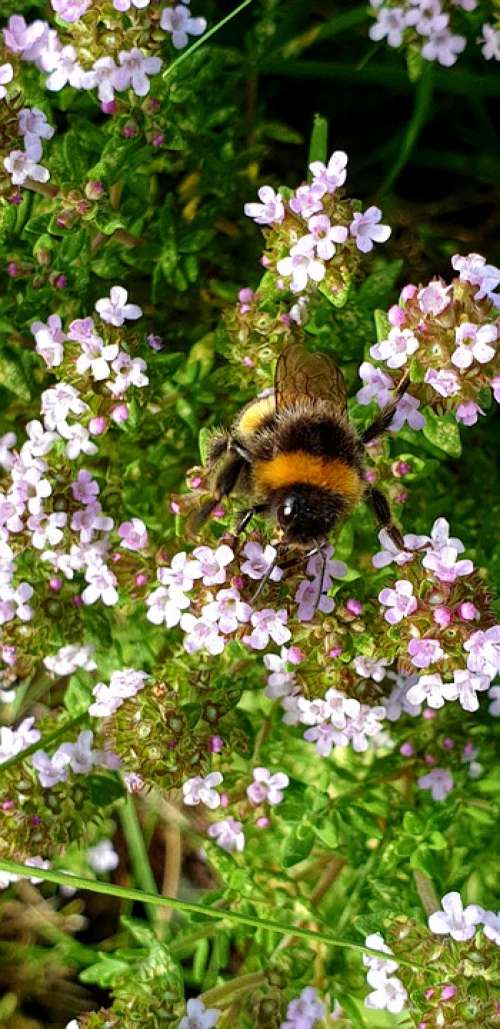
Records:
x=429, y=26
x=23, y=164
x=313, y=235
x=79, y=757
x=388, y=991
x=461, y=923
x=448, y=338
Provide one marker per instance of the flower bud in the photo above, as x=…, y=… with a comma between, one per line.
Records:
x=120, y=413
x=56, y=584
x=98, y=425
x=94, y=189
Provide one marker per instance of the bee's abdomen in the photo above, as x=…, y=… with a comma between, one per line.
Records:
x=300, y=466
x=256, y=416
x=320, y=436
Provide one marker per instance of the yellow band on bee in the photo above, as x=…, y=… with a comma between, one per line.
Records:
x=254, y=415
x=330, y=473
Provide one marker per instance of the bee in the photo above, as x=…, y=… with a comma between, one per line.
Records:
x=297, y=457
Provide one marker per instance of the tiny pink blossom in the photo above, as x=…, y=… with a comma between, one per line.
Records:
x=468, y=413
x=395, y=350
x=133, y=534
x=434, y=298
x=378, y=385
x=454, y=920
x=439, y=782
x=400, y=601
x=301, y=265
x=70, y=10
x=329, y=177
x=115, y=310
x=443, y=382
x=228, y=834
x=390, y=24
x=268, y=624
x=325, y=236
x=267, y=787
x=165, y=605
x=483, y=648
x=85, y=488
x=101, y=585
x=201, y=635
x=366, y=230
x=474, y=343
x=134, y=71
x=430, y=690
x=201, y=790
x=465, y=688
x=307, y=200
x=444, y=564
x=6, y=75
x=213, y=563
x=407, y=411
x=181, y=24
x=270, y=211
x=228, y=610
x=425, y=652
x=258, y=561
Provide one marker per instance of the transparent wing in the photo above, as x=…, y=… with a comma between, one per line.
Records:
x=303, y=376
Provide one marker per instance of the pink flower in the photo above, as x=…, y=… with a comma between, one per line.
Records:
x=165, y=605
x=69, y=658
x=271, y=209
x=467, y=413
x=474, y=269
x=213, y=564
x=444, y=382
x=22, y=166
x=101, y=75
x=46, y=529
x=491, y=42
x=389, y=993
x=390, y=23
x=129, y=372
x=474, y=342
x=465, y=688
x=483, y=648
x=370, y=668
x=407, y=411
x=70, y=10
x=325, y=736
x=400, y=601
x=444, y=564
x=228, y=610
x=310, y=600
x=201, y=790
x=133, y=534
x=425, y=652
x=85, y=488
x=24, y=39
x=101, y=586
x=133, y=72
x=115, y=310
x=65, y=70
x=179, y=22
x=307, y=200
x=392, y=553
x=182, y=572
x=49, y=340
x=95, y=357
x=366, y=230
x=58, y=402
x=324, y=236
x=201, y=635
x=329, y=177
x=434, y=298
x=6, y=75
x=13, y=741
x=90, y=520
x=280, y=682
x=439, y=782
x=267, y=787
x=228, y=834
x=122, y=684
x=444, y=48
x=124, y=5
x=198, y=1016
x=395, y=350
x=430, y=690
x=259, y=560
x=51, y=770
x=268, y=624
x=301, y=265
x=454, y=920
x=305, y=1011
x=378, y=385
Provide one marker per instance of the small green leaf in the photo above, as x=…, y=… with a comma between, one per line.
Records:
x=104, y=789
x=318, y=146
x=443, y=432
x=382, y=325
x=298, y=844
x=105, y=972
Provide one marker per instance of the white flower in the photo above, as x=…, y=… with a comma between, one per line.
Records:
x=201, y=790
x=165, y=605
x=69, y=658
x=78, y=438
x=95, y=357
x=370, y=668
x=465, y=688
x=6, y=75
x=430, y=690
x=115, y=309
x=491, y=926
x=65, y=69
x=376, y=942
x=228, y=834
x=491, y=43
x=134, y=71
x=270, y=210
x=454, y=920
x=179, y=22
x=102, y=583
x=198, y=1016
x=103, y=857
x=301, y=265
x=22, y=166
x=389, y=994
x=395, y=350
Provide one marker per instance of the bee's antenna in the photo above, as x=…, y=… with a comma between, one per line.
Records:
x=322, y=554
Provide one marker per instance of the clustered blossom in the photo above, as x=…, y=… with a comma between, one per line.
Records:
x=336, y=720
x=33, y=127
x=304, y=1011
x=313, y=207
x=122, y=685
x=461, y=923
x=69, y=658
x=388, y=992
x=311, y=594
x=64, y=65
x=13, y=741
x=429, y=26
x=451, y=333
x=202, y=790
x=79, y=757
x=267, y=787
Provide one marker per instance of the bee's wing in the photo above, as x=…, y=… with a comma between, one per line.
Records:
x=302, y=376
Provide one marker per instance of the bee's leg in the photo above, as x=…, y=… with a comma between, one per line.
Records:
x=224, y=484
x=384, y=419
x=321, y=551
x=267, y=575
x=246, y=517
x=383, y=516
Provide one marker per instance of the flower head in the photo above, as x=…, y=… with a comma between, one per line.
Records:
x=454, y=920
x=201, y=790
x=366, y=230
x=198, y=1016
x=228, y=834
x=115, y=310
x=439, y=781
x=267, y=787
x=181, y=24
x=399, y=601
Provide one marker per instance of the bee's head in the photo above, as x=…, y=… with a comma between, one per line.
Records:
x=306, y=514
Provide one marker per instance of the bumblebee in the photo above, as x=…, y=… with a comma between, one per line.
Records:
x=296, y=456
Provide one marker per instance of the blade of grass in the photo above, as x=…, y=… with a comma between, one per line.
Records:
x=423, y=97
x=318, y=147
x=126, y=893
x=203, y=39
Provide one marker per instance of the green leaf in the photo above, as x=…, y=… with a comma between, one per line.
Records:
x=104, y=789
x=327, y=830
x=12, y=374
x=442, y=431
x=105, y=972
x=382, y=325
x=318, y=146
x=298, y=844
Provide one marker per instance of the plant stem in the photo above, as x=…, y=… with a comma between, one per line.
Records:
x=203, y=39
x=45, y=741
x=138, y=854
x=426, y=891
x=126, y=893
x=231, y=989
